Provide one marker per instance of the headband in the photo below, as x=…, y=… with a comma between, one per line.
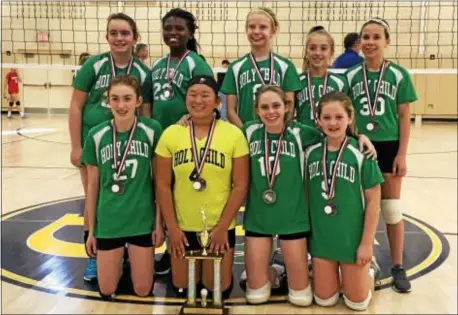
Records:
x=380, y=22
x=204, y=79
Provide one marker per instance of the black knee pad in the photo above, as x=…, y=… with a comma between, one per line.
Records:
x=10, y=103
x=18, y=103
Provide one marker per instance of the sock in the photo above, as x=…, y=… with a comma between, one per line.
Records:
x=9, y=113
x=22, y=114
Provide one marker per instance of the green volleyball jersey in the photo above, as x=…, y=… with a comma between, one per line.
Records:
x=94, y=77
x=133, y=212
x=335, y=82
x=168, y=112
x=396, y=88
x=338, y=237
x=289, y=213
x=242, y=80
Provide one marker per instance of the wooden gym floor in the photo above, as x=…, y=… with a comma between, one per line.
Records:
x=43, y=256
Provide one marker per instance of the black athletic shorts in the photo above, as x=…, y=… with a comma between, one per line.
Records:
x=194, y=242
x=386, y=153
x=144, y=240
x=283, y=237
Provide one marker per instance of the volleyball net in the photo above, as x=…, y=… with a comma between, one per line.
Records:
x=424, y=33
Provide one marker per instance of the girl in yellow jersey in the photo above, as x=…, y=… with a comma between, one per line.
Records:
x=202, y=180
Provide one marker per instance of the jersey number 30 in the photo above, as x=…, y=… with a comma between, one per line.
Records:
x=379, y=110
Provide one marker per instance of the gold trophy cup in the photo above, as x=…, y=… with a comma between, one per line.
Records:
x=216, y=305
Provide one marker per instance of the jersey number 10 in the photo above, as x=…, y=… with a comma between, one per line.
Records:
x=262, y=166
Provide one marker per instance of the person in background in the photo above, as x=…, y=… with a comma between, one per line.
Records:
x=219, y=79
x=81, y=60
x=11, y=91
x=142, y=52
x=351, y=55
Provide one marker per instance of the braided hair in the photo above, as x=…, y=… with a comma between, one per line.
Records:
x=190, y=22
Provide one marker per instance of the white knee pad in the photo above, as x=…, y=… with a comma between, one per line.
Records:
x=327, y=302
x=301, y=297
x=391, y=211
x=360, y=306
x=258, y=296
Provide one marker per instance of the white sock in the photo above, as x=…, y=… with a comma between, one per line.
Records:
x=9, y=113
x=22, y=114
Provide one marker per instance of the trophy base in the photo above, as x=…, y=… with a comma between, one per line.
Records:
x=210, y=309
x=198, y=254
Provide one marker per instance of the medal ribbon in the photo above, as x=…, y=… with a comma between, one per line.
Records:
x=199, y=164
x=170, y=76
x=311, y=99
x=258, y=72
x=373, y=105
x=126, y=151
x=271, y=173
x=331, y=188
x=113, y=66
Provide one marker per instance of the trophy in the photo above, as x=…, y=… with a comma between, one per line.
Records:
x=216, y=305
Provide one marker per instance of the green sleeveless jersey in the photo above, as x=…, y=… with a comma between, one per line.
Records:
x=289, y=213
x=396, y=88
x=302, y=102
x=94, y=77
x=133, y=212
x=168, y=112
x=242, y=80
x=338, y=237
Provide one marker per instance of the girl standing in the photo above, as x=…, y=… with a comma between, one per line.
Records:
x=259, y=67
x=316, y=80
x=168, y=79
x=381, y=92
x=89, y=105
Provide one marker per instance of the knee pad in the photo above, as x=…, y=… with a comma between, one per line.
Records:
x=10, y=103
x=258, y=296
x=329, y=301
x=18, y=103
x=391, y=211
x=301, y=297
x=360, y=306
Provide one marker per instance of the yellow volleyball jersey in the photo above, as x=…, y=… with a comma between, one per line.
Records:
x=228, y=142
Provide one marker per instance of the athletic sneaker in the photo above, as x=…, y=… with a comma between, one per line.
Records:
x=400, y=282
x=162, y=266
x=376, y=269
x=281, y=272
x=90, y=273
x=277, y=257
